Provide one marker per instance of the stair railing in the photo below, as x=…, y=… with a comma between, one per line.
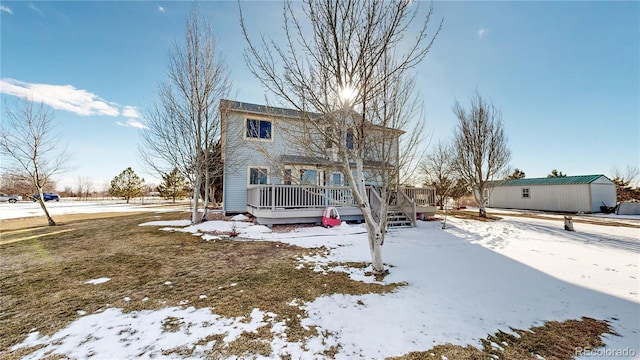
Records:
x=407, y=206
x=375, y=202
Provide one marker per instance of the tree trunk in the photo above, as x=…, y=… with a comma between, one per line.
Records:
x=44, y=207
x=196, y=196
x=479, y=195
x=213, y=196
x=46, y=212
x=207, y=195
x=375, y=247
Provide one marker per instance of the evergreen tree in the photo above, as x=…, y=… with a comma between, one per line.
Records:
x=517, y=174
x=556, y=173
x=625, y=191
x=459, y=190
x=127, y=185
x=174, y=185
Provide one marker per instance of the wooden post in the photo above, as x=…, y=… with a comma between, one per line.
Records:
x=273, y=197
x=568, y=223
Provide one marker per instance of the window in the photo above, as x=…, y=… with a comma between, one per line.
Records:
x=258, y=129
x=525, y=193
x=336, y=179
x=287, y=176
x=350, y=140
x=257, y=176
x=309, y=177
x=327, y=138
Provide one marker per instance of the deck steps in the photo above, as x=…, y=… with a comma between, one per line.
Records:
x=397, y=219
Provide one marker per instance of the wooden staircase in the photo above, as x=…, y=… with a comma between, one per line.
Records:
x=397, y=218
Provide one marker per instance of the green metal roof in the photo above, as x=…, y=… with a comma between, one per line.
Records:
x=566, y=180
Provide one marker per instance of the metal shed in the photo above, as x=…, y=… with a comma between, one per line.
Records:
x=585, y=193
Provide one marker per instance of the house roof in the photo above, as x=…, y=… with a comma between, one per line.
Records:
x=260, y=109
x=566, y=180
x=278, y=111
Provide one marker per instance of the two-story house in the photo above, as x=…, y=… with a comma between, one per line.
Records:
x=269, y=177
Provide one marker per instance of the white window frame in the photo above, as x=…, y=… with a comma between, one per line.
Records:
x=258, y=118
x=259, y=167
x=525, y=193
x=296, y=178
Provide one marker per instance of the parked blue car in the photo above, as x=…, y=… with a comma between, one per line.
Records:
x=47, y=197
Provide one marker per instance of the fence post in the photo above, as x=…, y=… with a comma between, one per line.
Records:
x=273, y=197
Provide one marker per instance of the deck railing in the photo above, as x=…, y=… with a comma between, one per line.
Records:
x=421, y=196
x=277, y=197
x=298, y=196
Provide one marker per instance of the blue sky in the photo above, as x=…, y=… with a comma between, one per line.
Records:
x=566, y=75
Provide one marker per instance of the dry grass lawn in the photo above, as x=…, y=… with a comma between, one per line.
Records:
x=44, y=270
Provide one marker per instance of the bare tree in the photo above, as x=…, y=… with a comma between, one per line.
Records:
x=30, y=149
x=184, y=124
x=482, y=152
x=629, y=175
x=439, y=170
x=625, y=181
x=84, y=187
x=15, y=184
x=346, y=67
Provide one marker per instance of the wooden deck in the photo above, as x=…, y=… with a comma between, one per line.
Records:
x=292, y=204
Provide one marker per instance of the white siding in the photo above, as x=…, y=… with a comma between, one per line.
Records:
x=569, y=198
x=602, y=192
x=562, y=198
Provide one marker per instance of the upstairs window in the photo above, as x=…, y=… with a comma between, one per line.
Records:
x=258, y=129
x=525, y=193
x=327, y=138
x=350, y=140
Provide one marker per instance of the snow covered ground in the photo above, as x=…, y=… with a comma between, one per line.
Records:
x=29, y=208
x=463, y=283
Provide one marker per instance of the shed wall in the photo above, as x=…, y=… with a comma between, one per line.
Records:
x=602, y=193
x=563, y=198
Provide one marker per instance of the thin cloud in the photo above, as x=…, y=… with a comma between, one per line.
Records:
x=482, y=33
x=131, y=112
x=6, y=9
x=161, y=9
x=132, y=123
x=34, y=8
x=62, y=97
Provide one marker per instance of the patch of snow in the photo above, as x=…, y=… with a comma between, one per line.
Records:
x=97, y=281
x=168, y=283
x=127, y=299
x=81, y=312
x=240, y=217
x=167, y=223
